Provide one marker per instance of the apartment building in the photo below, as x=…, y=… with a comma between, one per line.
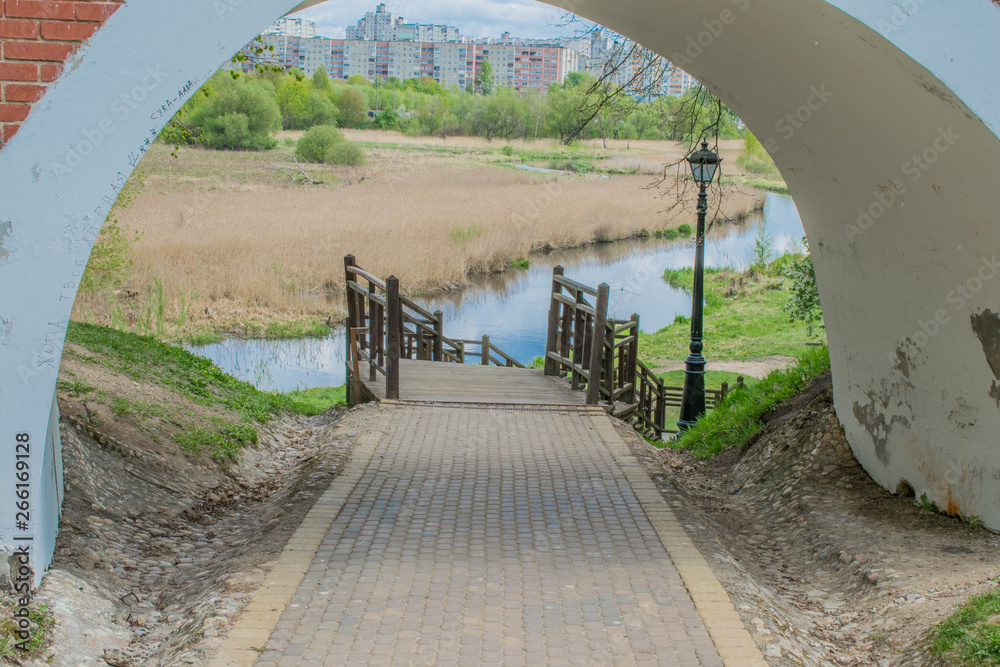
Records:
x=522, y=66
x=292, y=28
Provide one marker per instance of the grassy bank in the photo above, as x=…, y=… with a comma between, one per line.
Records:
x=228, y=244
x=744, y=317
x=971, y=636
x=168, y=393
x=738, y=418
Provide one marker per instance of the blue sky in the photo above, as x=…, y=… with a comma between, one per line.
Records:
x=475, y=18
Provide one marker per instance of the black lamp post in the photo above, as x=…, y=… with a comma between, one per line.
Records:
x=704, y=164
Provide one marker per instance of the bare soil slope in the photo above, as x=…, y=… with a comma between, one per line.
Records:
x=826, y=567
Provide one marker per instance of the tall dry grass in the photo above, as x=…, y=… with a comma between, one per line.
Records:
x=231, y=241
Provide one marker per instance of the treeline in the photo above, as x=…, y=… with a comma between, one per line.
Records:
x=244, y=112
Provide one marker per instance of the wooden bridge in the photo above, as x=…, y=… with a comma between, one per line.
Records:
x=398, y=350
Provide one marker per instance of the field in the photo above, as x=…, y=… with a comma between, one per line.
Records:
x=229, y=243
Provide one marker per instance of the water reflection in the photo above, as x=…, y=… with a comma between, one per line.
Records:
x=513, y=307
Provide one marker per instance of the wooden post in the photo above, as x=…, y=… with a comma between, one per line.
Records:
x=395, y=327
x=739, y=382
x=378, y=336
x=351, y=316
x=725, y=392
x=579, y=339
x=609, y=362
x=438, y=336
x=660, y=417
x=641, y=407
x=566, y=332
x=551, y=366
x=597, y=349
x=486, y=350
x=356, y=393
x=370, y=340
x=633, y=357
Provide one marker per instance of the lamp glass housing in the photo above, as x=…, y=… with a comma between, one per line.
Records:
x=704, y=163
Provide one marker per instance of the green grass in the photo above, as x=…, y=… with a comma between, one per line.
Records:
x=971, y=636
x=520, y=263
x=744, y=318
x=316, y=401
x=463, y=234
x=738, y=418
x=146, y=360
x=225, y=440
x=41, y=622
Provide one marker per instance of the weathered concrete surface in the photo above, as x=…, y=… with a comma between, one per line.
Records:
x=880, y=114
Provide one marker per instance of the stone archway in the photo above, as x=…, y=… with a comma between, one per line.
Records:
x=881, y=115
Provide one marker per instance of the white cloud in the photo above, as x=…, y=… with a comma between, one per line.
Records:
x=475, y=18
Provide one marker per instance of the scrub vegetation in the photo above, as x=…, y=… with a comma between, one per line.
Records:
x=222, y=242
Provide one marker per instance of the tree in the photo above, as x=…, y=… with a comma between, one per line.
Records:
x=353, y=105
x=565, y=119
x=318, y=110
x=502, y=116
x=321, y=80
x=804, y=305
x=291, y=98
x=239, y=115
x=485, y=80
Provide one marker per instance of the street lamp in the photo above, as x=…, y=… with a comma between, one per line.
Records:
x=704, y=164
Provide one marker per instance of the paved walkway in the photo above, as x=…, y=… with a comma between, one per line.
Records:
x=475, y=536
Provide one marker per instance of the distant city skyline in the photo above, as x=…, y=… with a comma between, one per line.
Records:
x=474, y=18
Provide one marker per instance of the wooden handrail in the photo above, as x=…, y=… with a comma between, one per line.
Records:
x=358, y=271
x=575, y=286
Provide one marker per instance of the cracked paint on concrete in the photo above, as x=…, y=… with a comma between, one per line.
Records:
x=961, y=413
x=879, y=427
x=886, y=408
x=5, y=229
x=986, y=326
x=6, y=329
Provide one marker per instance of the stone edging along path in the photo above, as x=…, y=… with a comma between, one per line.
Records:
x=254, y=627
x=249, y=635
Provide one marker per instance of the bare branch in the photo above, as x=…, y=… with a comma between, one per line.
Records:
x=294, y=170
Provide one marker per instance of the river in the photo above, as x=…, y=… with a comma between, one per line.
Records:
x=513, y=307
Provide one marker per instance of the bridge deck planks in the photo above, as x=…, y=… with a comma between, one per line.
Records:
x=466, y=383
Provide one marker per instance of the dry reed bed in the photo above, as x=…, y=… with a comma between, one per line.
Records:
x=229, y=240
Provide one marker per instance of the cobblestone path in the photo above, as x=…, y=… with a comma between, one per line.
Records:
x=495, y=537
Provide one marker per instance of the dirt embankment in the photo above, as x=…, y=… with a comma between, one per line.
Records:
x=825, y=566
x=160, y=548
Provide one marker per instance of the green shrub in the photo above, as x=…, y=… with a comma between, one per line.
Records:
x=239, y=115
x=346, y=153
x=685, y=230
x=507, y=150
x=317, y=142
x=387, y=120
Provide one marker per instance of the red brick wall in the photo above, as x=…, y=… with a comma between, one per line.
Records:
x=36, y=37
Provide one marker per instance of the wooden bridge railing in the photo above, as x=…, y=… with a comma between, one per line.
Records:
x=629, y=387
x=577, y=312
x=388, y=327
x=488, y=354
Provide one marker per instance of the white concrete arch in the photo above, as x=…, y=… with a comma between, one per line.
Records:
x=881, y=114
